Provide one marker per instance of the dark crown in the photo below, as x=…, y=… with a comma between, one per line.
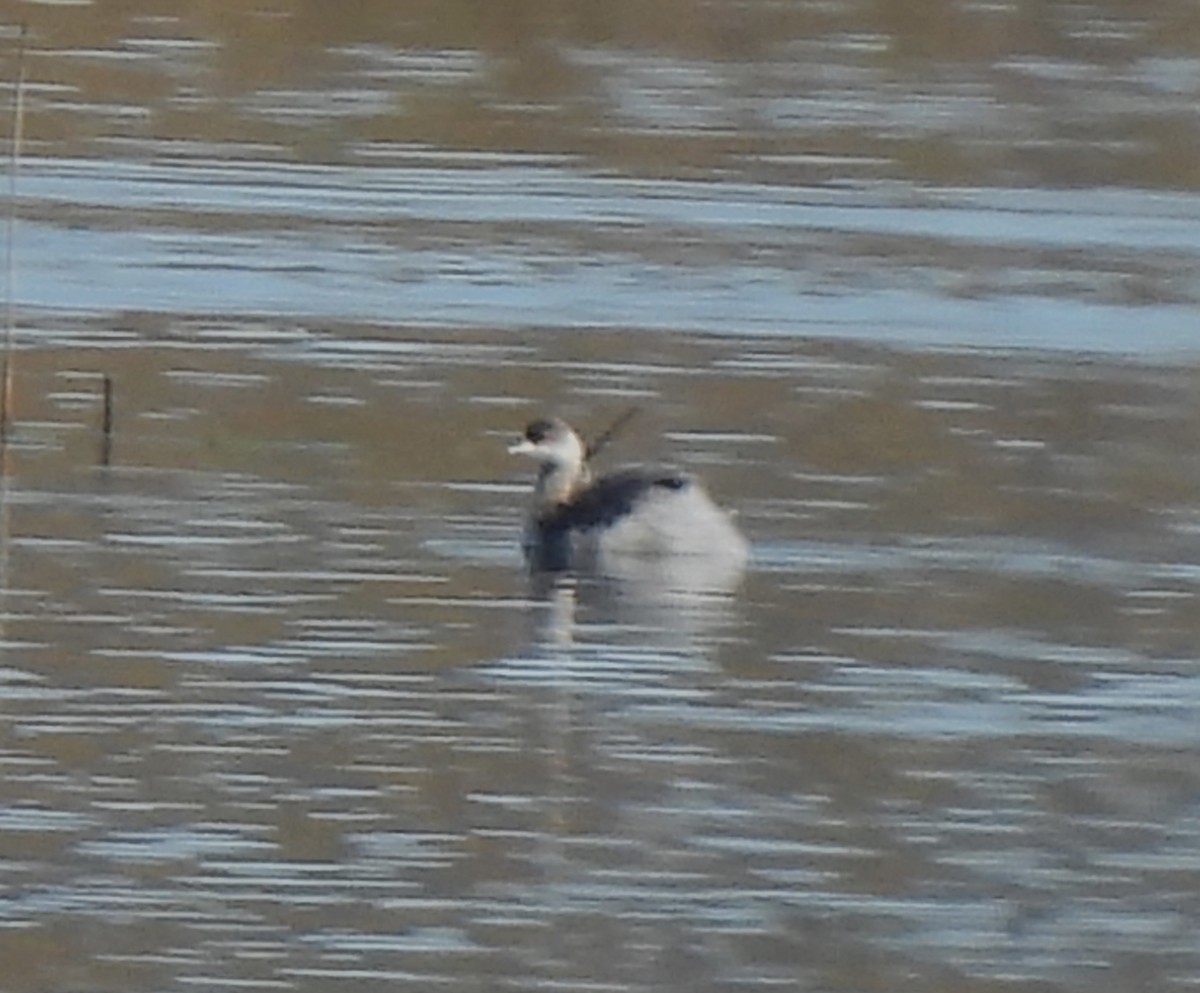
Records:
x=539, y=430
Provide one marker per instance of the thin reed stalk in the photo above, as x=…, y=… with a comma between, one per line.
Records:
x=10, y=239
x=6, y=387
x=106, y=421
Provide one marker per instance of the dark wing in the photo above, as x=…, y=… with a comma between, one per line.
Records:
x=604, y=502
x=613, y=496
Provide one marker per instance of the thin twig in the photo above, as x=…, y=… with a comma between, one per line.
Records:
x=106, y=423
x=9, y=322
x=10, y=255
x=594, y=447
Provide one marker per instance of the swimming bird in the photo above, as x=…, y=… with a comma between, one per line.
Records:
x=577, y=521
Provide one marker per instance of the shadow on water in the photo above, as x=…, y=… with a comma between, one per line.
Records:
x=913, y=291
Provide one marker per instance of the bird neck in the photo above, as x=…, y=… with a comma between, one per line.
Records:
x=558, y=484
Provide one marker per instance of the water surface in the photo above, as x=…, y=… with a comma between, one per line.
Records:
x=915, y=294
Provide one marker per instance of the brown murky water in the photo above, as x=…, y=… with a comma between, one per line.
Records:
x=916, y=292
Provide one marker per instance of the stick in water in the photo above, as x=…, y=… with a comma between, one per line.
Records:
x=10, y=260
x=106, y=423
x=594, y=447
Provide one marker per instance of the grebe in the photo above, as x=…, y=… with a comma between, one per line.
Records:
x=577, y=521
